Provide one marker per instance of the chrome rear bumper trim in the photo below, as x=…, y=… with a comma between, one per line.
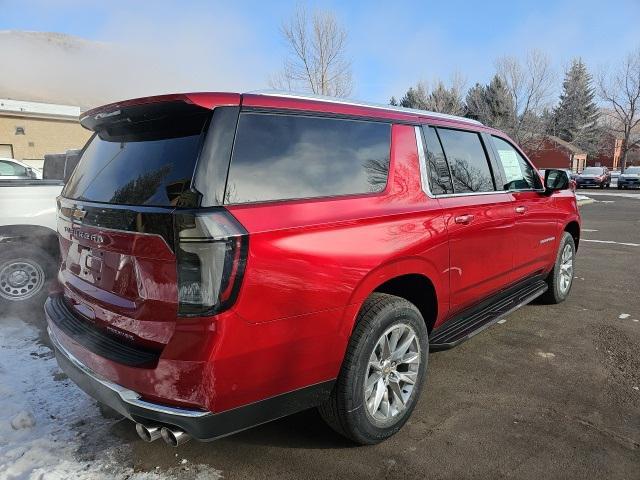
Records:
x=127, y=396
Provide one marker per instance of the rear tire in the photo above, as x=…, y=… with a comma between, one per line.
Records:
x=560, y=279
x=24, y=275
x=376, y=355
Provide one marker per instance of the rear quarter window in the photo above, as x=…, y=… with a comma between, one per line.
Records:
x=280, y=157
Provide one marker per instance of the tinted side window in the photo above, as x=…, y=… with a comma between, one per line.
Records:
x=467, y=160
x=519, y=174
x=437, y=168
x=278, y=157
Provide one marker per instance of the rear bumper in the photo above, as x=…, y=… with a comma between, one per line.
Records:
x=200, y=424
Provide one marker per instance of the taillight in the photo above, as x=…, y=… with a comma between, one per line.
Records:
x=211, y=251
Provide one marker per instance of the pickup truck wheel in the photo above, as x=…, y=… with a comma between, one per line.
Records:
x=382, y=372
x=24, y=272
x=561, y=277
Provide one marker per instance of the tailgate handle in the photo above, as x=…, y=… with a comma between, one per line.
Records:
x=464, y=219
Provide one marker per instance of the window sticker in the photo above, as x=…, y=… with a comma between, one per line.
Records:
x=511, y=165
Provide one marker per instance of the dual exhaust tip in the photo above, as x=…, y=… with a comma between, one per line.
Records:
x=171, y=436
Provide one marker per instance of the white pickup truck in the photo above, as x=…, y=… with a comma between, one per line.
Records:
x=29, y=248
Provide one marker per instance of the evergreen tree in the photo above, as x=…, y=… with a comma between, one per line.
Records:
x=576, y=116
x=415, y=97
x=445, y=100
x=393, y=102
x=491, y=104
x=500, y=103
x=441, y=99
x=476, y=103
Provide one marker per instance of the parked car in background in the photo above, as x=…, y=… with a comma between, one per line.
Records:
x=572, y=175
x=29, y=249
x=630, y=178
x=594, y=177
x=230, y=259
x=11, y=169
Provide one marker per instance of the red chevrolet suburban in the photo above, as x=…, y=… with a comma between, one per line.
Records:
x=231, y=259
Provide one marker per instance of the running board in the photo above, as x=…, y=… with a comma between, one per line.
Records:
x=473, y=321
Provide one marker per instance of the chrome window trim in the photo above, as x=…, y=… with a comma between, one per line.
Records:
x=422, y=161
x=471, y=194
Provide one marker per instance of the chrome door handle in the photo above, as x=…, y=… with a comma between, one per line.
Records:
x=464, y=219
x=521, y=209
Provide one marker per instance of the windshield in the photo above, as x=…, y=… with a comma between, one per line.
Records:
x=633, y=170
x=593, y=171
x=145, y=160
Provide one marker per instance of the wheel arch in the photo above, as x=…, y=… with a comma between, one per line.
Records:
x=573, y=228
x=414, y=279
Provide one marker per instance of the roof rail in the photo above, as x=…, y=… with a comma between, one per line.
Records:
x=344, y=101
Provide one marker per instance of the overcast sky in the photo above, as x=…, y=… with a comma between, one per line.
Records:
x=206, y=45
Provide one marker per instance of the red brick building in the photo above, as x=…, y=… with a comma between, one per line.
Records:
x=609, y=155
x=553, y=152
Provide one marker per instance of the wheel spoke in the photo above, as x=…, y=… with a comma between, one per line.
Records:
x=374, y=361
x=385, y=405
x=407, y=377
x=386, y=349
x=380, y=390
x=397, y=393
x=404, y=346
x=373, y=379
x=393, y=341
x=411, y=358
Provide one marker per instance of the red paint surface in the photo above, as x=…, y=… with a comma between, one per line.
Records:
x=311, y=264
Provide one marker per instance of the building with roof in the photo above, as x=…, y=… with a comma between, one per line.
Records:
x=553, y=152
x=30, y=130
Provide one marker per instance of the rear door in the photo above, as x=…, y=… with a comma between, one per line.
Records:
x=536, y=224
x=479, y=219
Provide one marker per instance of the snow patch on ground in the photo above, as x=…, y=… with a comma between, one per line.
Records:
x=44, y=421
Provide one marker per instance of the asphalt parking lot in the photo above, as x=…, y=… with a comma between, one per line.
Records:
x=553, y=392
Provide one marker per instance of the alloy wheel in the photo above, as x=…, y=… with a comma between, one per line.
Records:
x=566, y=269
x=392, y=373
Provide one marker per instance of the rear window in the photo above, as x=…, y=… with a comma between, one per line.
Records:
x=143, y=156
x=278, y=157
x=593, y=170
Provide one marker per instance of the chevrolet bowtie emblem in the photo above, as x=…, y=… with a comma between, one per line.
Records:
x=78, y=214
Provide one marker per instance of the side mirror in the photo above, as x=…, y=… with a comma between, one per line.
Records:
x=32, y=173
x=555, y=180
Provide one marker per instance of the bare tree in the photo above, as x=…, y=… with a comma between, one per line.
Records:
x=317, y=60
x=620, y=89
x=529, y=85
